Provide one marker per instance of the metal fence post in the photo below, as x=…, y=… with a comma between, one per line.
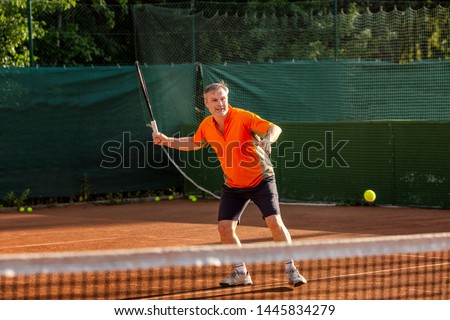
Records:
x=194, y=58
x=30, y=33
x=336, y=30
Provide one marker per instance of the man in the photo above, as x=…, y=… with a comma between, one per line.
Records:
x=242, y=141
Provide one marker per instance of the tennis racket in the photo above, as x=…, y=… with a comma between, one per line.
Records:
x=152, y=123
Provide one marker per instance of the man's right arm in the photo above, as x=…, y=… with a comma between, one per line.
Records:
x=183, y=143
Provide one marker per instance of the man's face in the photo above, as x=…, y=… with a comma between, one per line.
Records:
x=217, y=102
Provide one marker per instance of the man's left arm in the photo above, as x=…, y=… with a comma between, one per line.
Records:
x=270, y=137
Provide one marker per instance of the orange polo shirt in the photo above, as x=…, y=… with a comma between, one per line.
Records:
x=243, y=162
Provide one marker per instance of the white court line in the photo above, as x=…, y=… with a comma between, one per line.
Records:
x=380, y=271
x=60, y=242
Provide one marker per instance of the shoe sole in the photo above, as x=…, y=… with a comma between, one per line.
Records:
x=298, y=284
x=226, y=285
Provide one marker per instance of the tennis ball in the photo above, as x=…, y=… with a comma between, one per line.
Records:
x=22, y=209
x=170, y=197
x=194, y=199
x=157, y=198
x=30, y=209
x=190, y=197
x=370, y=196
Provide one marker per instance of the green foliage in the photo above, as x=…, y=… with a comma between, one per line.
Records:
x=115, y=198
x=357, y=200
x=78, y=35
x=82, y=47
x=14, y=31
x=14, y=27
x=11, y=200
x=85, y=189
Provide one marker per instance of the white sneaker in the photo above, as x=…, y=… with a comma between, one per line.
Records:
x=295, y=278
x=237, y=279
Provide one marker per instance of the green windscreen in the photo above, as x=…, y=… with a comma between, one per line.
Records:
x=62, y=127
x=347, y=127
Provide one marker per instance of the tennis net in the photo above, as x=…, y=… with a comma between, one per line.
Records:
x=391, y=267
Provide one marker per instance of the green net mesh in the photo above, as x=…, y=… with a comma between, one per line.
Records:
x=224, y=32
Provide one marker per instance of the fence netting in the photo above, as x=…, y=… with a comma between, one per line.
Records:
x=67, y=33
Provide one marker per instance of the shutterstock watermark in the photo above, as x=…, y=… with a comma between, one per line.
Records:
x=312, y=154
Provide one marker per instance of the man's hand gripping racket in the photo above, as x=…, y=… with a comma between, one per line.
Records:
x=266, y=144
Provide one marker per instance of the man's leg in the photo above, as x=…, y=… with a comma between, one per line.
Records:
x=281, y=234
x=227, y=232
x=279, y=231
x=240, y=276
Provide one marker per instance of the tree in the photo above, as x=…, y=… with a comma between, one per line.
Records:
x=14, y=28
x=77, y=36
x=14, y=34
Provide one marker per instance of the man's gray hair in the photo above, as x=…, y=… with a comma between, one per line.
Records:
x=215, y=86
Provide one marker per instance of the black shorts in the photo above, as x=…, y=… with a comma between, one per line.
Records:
x=234, y=200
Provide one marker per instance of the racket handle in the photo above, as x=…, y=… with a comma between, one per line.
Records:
x=154, y=126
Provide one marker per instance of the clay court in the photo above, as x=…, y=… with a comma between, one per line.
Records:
x=181, y=222
x=184, y=223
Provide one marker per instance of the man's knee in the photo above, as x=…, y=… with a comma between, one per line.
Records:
x=226, y=227
x=274, y=221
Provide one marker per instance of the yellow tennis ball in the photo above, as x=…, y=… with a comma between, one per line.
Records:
x=30, y=209
x=157, y=198
x=370, y=196
x=170, y=197
x=194, y=199
x=22, y=209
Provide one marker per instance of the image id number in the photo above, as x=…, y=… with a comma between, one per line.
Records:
x=298, y=310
